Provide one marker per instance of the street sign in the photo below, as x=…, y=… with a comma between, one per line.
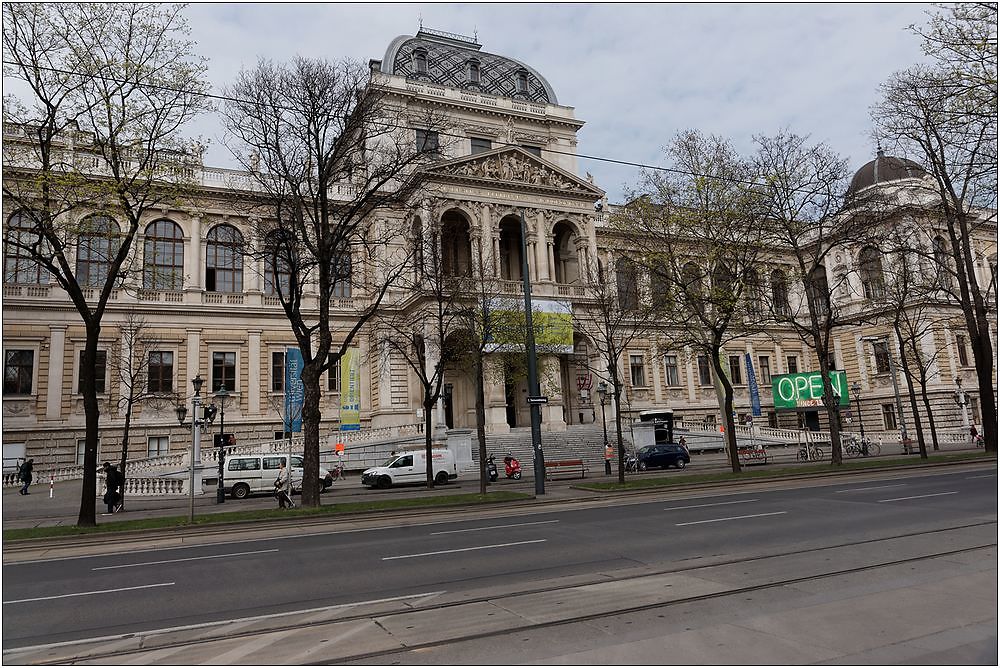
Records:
x=538, y=400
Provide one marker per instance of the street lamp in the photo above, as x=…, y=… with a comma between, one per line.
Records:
x=962, y=399
x=895, y=388
x=856, y=391
x=221, y=395
x=196, y=423
x=602, y=390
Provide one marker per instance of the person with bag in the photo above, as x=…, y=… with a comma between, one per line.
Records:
x=24, y=474
x=283, y=487
x=112, y=481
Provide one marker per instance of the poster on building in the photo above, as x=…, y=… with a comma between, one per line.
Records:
x=754, y=390
x=350, y=390
x=552, y=322
x=294, y=394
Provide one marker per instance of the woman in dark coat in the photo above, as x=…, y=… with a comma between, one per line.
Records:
x=112, y=480
x=25, y=472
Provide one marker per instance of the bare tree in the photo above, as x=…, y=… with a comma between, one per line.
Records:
x=111, y=86
x=809, y=211
x=946, y=115
x=703, y=222
x=336, y=172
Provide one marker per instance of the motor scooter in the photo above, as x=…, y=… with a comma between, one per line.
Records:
x=491, y=469
x=512, y=467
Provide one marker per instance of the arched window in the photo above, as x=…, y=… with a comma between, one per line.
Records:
x=779, y=292
x=870, y=268
x=661, y=291
x=420, y=58
x=942, y=265
x=474, y=71
x=224, y=259
x=724, y=288
x=163, y=255
x=19, y=266
x=277, y=265
x=754, y=292
x=692, y=280
x=627, y=279
x=97, y=245
x=456, y=245
x=342, y=275
x=818, y=290
x=522, y=82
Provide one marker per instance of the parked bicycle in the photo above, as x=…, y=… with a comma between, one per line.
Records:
x=861, y=448
x=631, y=462
x=809, y=453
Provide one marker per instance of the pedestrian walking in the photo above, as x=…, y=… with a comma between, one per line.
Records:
x=973, y=432
x=609, y=454
x=112, y=481
x=24, y=474
x=283, y=487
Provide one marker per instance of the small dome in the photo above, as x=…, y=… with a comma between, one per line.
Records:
x=884, y=169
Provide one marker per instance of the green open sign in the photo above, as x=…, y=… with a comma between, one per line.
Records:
x=795, y=391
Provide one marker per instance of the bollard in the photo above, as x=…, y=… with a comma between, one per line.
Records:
x=52, y=486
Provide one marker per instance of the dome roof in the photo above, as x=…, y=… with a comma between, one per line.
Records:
x=884, y=169
x=447, y=61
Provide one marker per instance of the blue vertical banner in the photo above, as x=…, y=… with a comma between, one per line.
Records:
x=294, y=394
x=752, y=385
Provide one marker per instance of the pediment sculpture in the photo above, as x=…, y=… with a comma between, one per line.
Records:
x=511, y=167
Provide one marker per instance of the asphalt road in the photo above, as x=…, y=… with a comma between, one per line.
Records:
x=69, y=599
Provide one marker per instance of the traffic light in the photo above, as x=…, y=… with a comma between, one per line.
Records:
x=224, y=440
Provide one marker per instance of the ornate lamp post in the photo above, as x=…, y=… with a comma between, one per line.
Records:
x=196, y=423
x=221, y=395
x=856, y=391
x=962, y=399
x=602, y=391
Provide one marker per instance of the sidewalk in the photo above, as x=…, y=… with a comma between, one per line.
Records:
x=37, y=509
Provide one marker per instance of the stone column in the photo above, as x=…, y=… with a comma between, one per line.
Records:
x=532, y=256
x=194, y=268
x=193, y=360
x=253, y=371
x=57, y=361
x=551, y=243
x=496, y=254
x=385, y=378
x=690, y=368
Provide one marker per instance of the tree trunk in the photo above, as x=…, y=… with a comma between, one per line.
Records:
x=311, y=416
x=912, y=394
x=928, y=411
x=621, y=440
x=92, y=413
x=428, y=438
x=983, y=353
x=481, y=421
x=830, y=401
x=124, y=462
x=729, y=435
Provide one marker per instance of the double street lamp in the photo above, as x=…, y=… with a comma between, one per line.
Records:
x=856, y=391
x=221, y=395
x=602, y=391
x=962, y=399
x=199, y=418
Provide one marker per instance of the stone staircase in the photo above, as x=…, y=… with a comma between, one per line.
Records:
x=584, y=442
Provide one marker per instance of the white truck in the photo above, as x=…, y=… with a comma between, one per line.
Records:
x=411, y=467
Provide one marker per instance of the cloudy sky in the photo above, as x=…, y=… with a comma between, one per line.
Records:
x=636, y=73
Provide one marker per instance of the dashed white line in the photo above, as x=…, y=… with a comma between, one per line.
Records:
x=865, y=489
x=90, y=593
x=708, y=505
x=918, y=496
x=498, y=526
x=725, y=519
x=976, y=477
x=172, y=561
x=464, y=549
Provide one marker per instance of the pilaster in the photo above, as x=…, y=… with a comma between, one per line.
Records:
x=57, y=361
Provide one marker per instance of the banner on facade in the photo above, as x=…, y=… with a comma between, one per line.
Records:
x=350, y=390
x=754, y=390
x=552, y=322
x=294, y=394
x=795, y=391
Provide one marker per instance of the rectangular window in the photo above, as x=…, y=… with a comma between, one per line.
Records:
x=244, y=464
x=977, y=418
x=278, y=372
x=791, y=364
x=704, y=371
x=881, y=357
x=481, y=145
x=672, y=376
x=889, y=416
x=735, y=369
x=963, y=353
x=81, y=449
x=223, y=372
x=637, y=371
x=273, y=463
x=157, y=446
x=100, y=372
x=832, y=361
x=18, y=369
x=427, y=141
x=533, y=150
x=161, y=371
x=333, y=375
x=772, y=419
x=764, y=369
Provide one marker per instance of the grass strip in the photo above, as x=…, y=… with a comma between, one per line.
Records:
x=266, y=514
x=757, y=473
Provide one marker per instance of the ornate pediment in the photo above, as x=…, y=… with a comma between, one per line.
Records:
x=513, y=166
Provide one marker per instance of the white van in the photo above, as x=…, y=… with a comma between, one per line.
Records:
x=411, y=467
x=251, y=474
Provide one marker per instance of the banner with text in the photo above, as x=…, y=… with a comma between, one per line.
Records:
x=754, y=390
x=294, y=394
x=350, y=390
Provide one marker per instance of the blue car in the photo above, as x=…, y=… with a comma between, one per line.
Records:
x=663, y=455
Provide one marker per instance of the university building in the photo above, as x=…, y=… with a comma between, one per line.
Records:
x=213, y=311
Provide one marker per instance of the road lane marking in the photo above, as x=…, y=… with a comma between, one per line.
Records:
x=499, y=526
x=464, y=549
x=919, y=496
x=172, y=561
x=976, y=477
x=865, y=489
x=707, y=505
x=725, y=519
x=221, y=622
x=89, y=593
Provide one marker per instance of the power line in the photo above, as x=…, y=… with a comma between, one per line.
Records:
x=226, y=98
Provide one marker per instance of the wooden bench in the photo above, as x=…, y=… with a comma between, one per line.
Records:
x=571, y=468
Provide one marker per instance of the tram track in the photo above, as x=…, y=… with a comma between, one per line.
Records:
x=148, y=640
